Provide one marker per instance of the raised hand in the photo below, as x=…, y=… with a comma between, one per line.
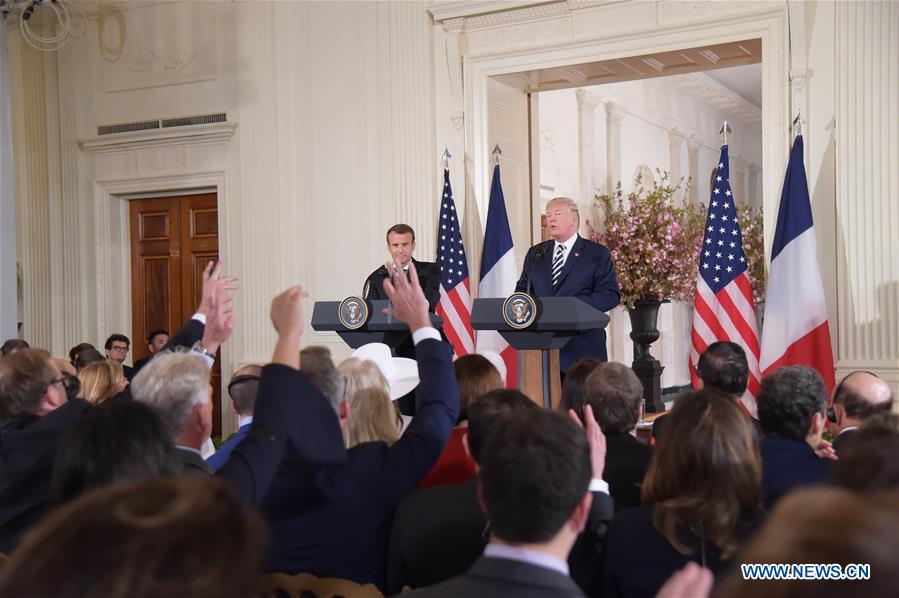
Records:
x=596, y=439
x=213, y=281
x=287, y=317
x=409, y=303
x=219, y=313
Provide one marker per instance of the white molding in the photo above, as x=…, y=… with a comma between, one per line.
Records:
x=174, y=136
x=442, y=11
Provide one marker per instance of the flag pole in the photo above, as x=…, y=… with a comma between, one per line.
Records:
x=798, y=122
x=497, y=153
x=724, y=130
x=446, y=158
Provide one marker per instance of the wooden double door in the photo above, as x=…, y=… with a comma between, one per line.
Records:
x=172, y=240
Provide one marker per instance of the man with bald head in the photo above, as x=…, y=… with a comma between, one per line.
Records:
x=242, y=389
x=859, y=396
x=568, y=265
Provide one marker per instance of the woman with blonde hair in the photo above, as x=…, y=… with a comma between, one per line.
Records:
x=101, y=381
x=366, y=413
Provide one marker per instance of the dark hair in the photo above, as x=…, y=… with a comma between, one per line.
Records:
x=788, y=400
x=705, y=475
x=400, y=229
x=116, y=337
x=723, y=366
x=855, y=402
x=615, y=394
x=316, y=363
x=24, y=377
x=244, y=388
x=487, y=410
x=12, y=345
x=86, y=357
x=74, y=351
x=573, y=392
x=535, y=469
x=824, y=525
x=476, y=376
x=116, y=441
x=867, y=460
x=156, y=333
x=188, y=536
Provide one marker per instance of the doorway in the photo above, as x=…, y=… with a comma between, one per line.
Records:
x=172, y=240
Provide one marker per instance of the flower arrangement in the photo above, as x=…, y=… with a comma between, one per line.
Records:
x=654, y=240
x=752, y=229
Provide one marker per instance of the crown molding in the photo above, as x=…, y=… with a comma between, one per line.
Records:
x=211, y=133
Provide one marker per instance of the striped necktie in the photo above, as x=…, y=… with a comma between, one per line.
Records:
x=557, y=263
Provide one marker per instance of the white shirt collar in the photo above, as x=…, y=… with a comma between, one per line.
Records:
x=567, y=244
x=243, y=421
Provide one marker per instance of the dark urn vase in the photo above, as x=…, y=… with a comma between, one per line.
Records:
x=644, y=317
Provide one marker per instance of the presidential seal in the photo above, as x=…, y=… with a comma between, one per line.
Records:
x=353, y=313
x=519, y=310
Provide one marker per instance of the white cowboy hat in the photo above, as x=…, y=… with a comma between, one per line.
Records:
x=497, y=361
x=401, y=372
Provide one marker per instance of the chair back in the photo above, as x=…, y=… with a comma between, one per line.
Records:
x=306, y=585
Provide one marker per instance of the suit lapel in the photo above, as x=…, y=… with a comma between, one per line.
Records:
x=542, y=272
x=573, y=257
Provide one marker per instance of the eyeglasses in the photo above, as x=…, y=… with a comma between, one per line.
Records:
x=119, y=348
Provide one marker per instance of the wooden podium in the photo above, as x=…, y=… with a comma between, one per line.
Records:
x=558, y=319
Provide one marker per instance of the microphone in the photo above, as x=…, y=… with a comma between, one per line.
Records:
x=538, y=254
x=366, y=287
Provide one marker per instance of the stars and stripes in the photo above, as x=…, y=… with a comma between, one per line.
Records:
x=723, y=305
x=455, y=297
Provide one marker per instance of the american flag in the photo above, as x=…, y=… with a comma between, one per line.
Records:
x=723, y=305
x=455, y=298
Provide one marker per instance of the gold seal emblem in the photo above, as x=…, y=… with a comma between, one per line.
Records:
x=353, y=312
x=519, y=310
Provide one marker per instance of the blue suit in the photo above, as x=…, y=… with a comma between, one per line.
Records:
x=218, y=459
x=789, y=464
x=588, y=275
x=337, y=524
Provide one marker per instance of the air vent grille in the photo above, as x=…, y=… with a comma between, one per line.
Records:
x=145, y=125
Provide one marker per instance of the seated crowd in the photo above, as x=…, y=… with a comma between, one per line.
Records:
x=105, y=488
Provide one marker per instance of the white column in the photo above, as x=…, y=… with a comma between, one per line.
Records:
x=693, y=146
x=614, y=114
x=586, y=125
x=8, y=301
x=754, y=198
x=675, y=142
x=867, y=139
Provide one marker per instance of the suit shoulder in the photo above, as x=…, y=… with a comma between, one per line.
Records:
x=380, y=272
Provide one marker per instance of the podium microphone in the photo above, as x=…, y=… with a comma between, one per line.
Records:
x=538, y=254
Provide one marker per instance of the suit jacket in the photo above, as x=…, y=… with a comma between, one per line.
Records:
x=192, y=463
x=428, y=278
x=588, y=274
x=438, y=533
x=493, y=577
x=840, y=440
x=626, y=462
x=338, y=525
x=28, y=446
x=129, y=372
x=789, y=464
x=220, y=456
x=638, y=559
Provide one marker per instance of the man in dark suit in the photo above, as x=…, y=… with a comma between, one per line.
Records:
x=243, y=388
x=571, y=266
x=440, y=532
x=858, y=396
x=534, y=480
x=338, y=524
x=156, y=342
x=401, y=245
x=791, y=404
x=117, y=347
x=616, y=395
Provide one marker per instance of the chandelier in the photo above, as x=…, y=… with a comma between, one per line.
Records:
x=46, y=25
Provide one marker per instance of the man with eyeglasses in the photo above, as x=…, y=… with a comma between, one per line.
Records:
x=117, y=347
x=35, y=411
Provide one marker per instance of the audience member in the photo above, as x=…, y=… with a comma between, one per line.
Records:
x=118, y=441
x=86, y=357
x=13, y=345
x=101, y=380
x=723, y=367
x=156, y=340
x=74, y=351
x=70, y=381
x=117, y=347
x=857, y=397
x=439, y=532
x=825, y=527
x=573, y=394
x=791, y=405
x=616, y=395
x=701, y=497
x=35, y=411
x=366, y=413
x=868, y=458
x=339, y=526
x=317, y=365
x=162, y=537
x=475, y=376
x=243, y=389
x=534, y=478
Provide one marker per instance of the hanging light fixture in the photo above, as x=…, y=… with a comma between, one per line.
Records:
x=46, y=25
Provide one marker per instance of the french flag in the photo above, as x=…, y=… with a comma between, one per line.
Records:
x=795, y=330
x=498, y=275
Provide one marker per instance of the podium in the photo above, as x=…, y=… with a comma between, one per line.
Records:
x=558, y=319
x=378, y=329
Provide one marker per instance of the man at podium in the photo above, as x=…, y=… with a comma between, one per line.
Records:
x=570, y=266
x=401, y=245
